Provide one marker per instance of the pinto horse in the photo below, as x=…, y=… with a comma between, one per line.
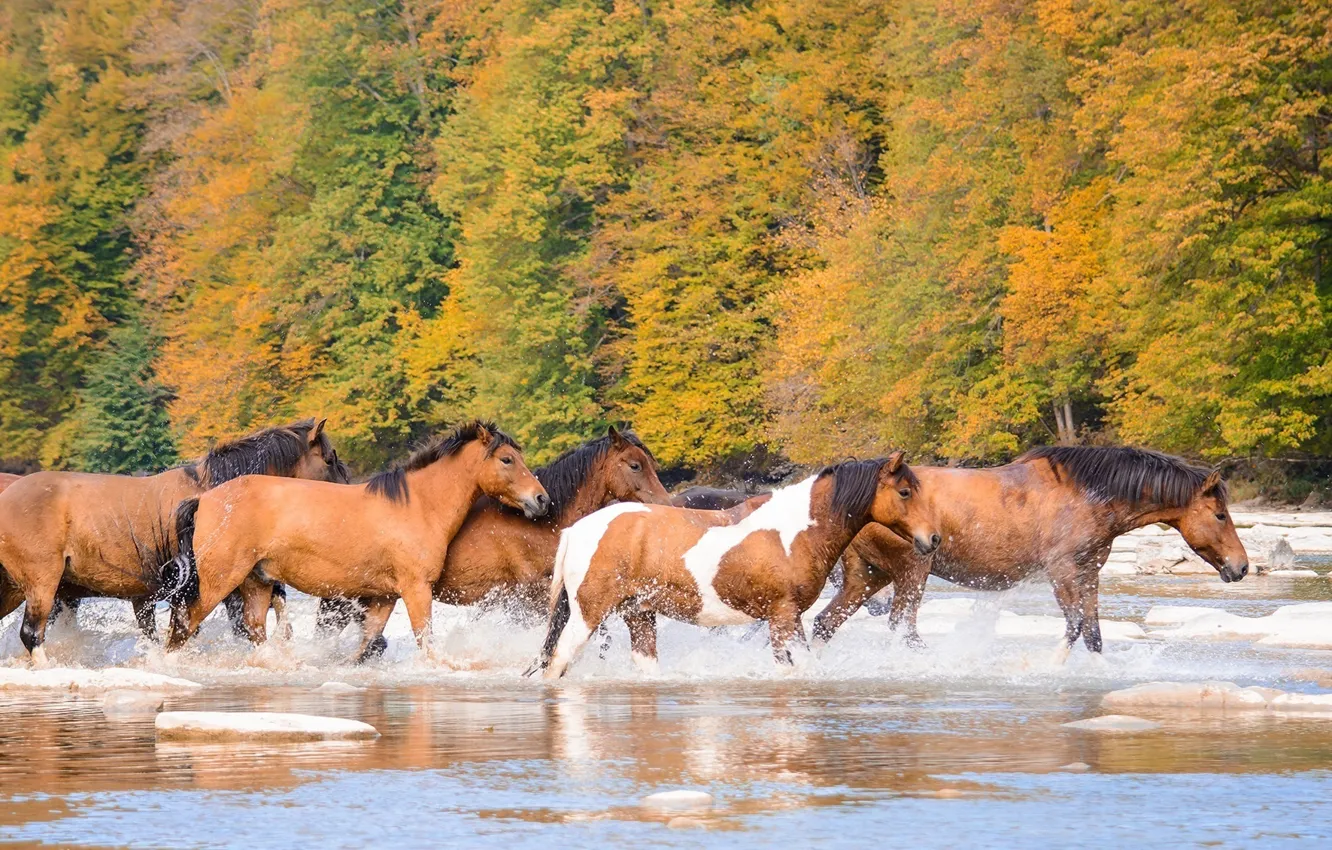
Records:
x=766, y=559
x=1054, y=510
x=83, y=534
x=382, y=540
x=498, y=555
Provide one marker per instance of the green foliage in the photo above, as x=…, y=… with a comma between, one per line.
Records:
x=805, y=227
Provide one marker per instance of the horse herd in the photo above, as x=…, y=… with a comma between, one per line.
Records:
x=594, y=534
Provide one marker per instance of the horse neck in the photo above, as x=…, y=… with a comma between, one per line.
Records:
x=443, y=492
x=590, y=497
x=830, y=535
x=1129, y=517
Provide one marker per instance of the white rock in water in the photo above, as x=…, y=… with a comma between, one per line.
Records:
x=1302, y=702
x=681, y=799
x=1115, y=568
x=1174, y=615
x=258, y=725
x=76, y=679
x=338, y=688
x=1222, y=625
x=1211, y=695
x=135, y=703
x=1299, y=635
x=1291, y=573
x=1114, y=723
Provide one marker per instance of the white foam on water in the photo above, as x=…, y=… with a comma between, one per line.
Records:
x=971, y=637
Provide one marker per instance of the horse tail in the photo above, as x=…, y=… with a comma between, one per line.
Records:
x=180, y=577
x=559, y=609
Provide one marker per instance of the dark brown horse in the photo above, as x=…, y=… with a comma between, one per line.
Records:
x=1053, y=510
x=766, y=559
x=383, y=541
x=110, y=535
x=498, y=556
x=708, y=498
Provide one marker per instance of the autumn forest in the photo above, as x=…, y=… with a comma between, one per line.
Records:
x=798, y=229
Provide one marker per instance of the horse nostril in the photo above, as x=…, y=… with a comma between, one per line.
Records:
x=1244, y=571
x=935, y=540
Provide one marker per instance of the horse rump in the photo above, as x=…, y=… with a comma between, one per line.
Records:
x=180, y=575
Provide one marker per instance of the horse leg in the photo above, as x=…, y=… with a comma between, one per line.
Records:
x=642, y=639
x=283, y=622
x=337, y=613
x=376, y=616
x=1091, y=608
x=11, y=595
x=40, y=599
x=235, y=605
x=145, y=614
x=1064, y=580
x=256, y=597
x=418, y=597
x=907, y=592
x=572, y=637
x=859, y=582
x=784, y=625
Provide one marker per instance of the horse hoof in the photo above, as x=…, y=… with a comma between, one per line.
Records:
x=39, y=659
x=1061, y=654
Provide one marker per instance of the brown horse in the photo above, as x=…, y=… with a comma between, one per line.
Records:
x=383, y=540
x=85, y=534
x=708, y=498
x=765, y=559
x=499, y=556
x=7, y=478
x=1053, y=510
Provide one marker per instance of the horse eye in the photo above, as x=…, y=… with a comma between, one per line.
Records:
x=635, y=466
x=506, y=460
x=1220, y=517
x=905, y=493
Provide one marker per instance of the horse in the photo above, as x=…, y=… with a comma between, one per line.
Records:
x=498, y=555
x=708, y=498
x=765, y=559
x=84, y=534
x=1054, y=510
x=7, y=478
x=385, y=539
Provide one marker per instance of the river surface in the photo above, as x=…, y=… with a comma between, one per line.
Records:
x=961, y=744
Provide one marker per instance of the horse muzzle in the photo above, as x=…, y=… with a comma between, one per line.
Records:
x=1230, y=572
x=926, y=545
x=535, y=506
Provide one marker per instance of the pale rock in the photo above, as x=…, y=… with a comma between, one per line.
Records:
x=258, y=725
x=1302, y=702
x=338, y=688
x=1208, y=695
x=132, y=703
x=1174, y=615
x=78, y=679
x=1114, y=723
x=683, y=798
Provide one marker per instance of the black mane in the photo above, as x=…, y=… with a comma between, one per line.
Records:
x=856, y=481
x=1136, y=476
x=276, y=451
x=566, y=475
x=392, y=482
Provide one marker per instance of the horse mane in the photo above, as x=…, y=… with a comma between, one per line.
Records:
x=392, y=482
x=278, y=449
x=856, y=481
x=566, y=475
x=1115, y=474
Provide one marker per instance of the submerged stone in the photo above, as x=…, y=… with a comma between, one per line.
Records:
x=683, y=798
x=258, y=725
x=1114, y=723
x=1211, y=695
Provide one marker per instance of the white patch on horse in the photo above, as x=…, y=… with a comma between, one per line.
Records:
x=787, y=513
x=578, y=546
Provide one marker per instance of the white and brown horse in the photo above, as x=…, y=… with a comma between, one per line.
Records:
x=384, y=540
x=81, y=534
x=1054, y=511
x=766, y=559
x=501, y=557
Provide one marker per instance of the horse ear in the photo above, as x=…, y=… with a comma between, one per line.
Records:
x=616, y=438
x=483, y=435
x=1212, y=482
x=896, y=461
x=317, y=430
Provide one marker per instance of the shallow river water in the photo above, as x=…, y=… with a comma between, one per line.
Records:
x=961, y=744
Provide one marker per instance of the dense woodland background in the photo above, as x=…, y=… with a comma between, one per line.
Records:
x=796, y=229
